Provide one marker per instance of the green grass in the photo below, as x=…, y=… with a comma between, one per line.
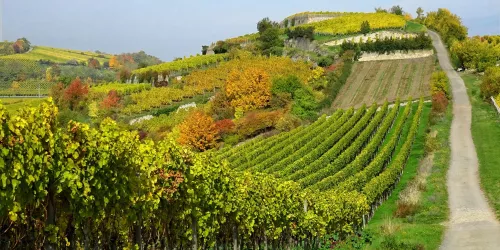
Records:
x=13, y=105
x=415, y=27
x=425, y=226
x=486, y=135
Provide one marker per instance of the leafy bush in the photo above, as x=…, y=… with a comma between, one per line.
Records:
x=491, y=82
x=300, y=32
x=288, y=84
x=365, y=27
x=287, y=122
x=440, y=83
x=199, y=132
x=256, y=122
x=439, y=102
x=305, y=104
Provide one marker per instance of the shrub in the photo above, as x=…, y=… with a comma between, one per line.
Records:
x=76, y=93
x=305, y=104
x=198, y=131
x=256, y=122
x=288, y=84
x=111, y=101
x=440, y=83
x=365, y=27
x=248, y=90
x=287, y=122
x=225, y=126
x=439, y=102
x=491, y=82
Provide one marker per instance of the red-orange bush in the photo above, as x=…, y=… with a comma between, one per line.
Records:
x=439, y=102
x=225, y=126
x=75, y=93
x=198, y=131
x=112, y=100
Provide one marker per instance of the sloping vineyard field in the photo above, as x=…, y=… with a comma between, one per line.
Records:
x=362, y=150
x=379, y=81
x=59, y=55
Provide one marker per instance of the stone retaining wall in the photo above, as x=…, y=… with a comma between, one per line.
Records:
x=397, y=55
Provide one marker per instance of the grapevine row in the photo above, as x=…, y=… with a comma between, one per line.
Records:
x=363, y=159
x=384, y=157
x=378, y=185
x=325, y=153
x=276, y=160
x=279, y=141
x=348, y=154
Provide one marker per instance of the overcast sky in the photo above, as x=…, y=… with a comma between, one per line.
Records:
x=175, y=28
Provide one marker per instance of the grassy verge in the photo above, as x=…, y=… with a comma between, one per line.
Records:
x=415, y=27
x=13, y=105
x=424, y=227
x=486, y=135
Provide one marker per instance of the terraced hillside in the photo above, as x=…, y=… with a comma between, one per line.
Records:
x=59, y=55
x=361, y=150
x=377, y=81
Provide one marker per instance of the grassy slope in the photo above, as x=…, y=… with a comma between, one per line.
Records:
x=13, y=105
x=486, y=135
x=415, y=27
x=57, y=55
x=424, y=227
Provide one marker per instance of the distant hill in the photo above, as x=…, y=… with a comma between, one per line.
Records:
x=58, y=55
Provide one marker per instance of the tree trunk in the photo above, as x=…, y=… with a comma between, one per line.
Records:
x=194, y=228
x=138, y=232
x=51, y=215
x=235, y=238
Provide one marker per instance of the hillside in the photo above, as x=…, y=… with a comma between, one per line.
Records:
x=327, y=130
x=58, y=55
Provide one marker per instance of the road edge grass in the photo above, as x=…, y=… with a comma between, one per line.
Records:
x=485, y=130
x=426, y=227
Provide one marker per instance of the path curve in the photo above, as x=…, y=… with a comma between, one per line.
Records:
x=472, y=223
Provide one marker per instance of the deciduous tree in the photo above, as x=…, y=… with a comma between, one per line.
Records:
x=75, y=93
x=248, y=90
x=198, y=131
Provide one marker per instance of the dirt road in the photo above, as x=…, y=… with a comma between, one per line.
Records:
x=472, y=223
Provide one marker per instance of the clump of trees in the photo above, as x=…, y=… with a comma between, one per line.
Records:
x=490, y=85
x=440, y=90
x=270, y=42
x=447, y=24
x=21, y=45
x=387, y=45
x=300, y=32
x=476, y=53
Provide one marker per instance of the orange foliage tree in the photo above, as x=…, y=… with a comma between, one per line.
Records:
x=75, y=93
x=113, y=62
x=248, y=90
x=198, y=131
x=111, y=101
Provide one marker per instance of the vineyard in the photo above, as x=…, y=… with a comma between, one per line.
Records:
x=127, y=191
x=209, y=80
x=165, y=69
x=59, y=55
x=377, y=81
x=362, y=150
x=351, y=23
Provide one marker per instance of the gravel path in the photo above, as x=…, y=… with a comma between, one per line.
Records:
x=472, y=223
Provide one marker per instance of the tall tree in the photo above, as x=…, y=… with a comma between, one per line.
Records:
x=113, y=62
x=420, y=12
x=398, y=10
x=198, y=131
x=248, y=90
